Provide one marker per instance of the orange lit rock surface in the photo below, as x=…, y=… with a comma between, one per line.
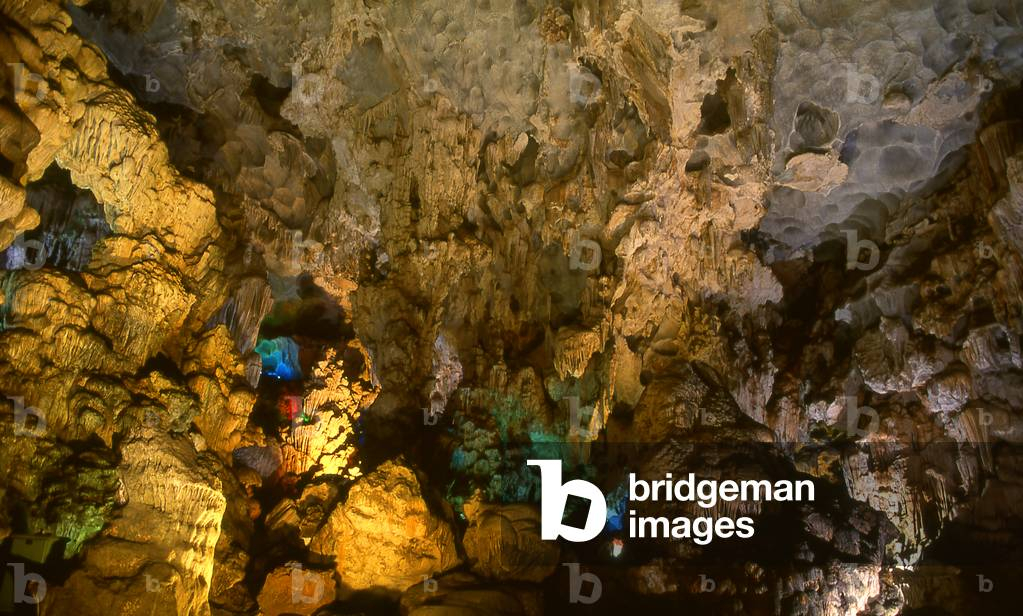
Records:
x=384, y=535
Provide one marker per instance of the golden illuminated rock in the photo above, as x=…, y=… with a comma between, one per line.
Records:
x=384, y=535
x=503, y=542
x=160, y=548
x=323, y=435
x=296, y=591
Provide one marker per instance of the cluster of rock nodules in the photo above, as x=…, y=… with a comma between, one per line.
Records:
x=753, y=239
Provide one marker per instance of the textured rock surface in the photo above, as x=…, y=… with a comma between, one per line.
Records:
x=503, y=542
x=256, y=251
x=163, y=538
x=384, y=536
x=293, y=590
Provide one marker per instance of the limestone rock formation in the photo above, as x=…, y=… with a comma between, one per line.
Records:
x=294, y=590
x=503, y=542
x=157, y=555
x=384, y=535
x=290, y=292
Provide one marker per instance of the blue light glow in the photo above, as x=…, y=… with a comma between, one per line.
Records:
x=280, y=359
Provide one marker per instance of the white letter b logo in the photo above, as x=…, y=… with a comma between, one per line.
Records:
x=554, y=495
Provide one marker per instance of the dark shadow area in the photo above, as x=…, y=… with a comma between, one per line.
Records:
x=71, y=221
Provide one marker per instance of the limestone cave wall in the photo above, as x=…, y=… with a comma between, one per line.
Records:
x=293, y=289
